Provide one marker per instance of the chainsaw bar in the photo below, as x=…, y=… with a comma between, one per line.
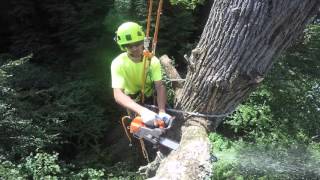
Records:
x=154, y=136
x=168, y=143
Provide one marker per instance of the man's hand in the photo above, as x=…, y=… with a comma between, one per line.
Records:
x=148, y=117
x=165, y=117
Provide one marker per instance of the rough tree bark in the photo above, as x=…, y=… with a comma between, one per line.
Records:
x=235, y=51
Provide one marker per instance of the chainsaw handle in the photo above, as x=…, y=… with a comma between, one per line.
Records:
x=162, y=124
x=159, y=123
x=170, y=123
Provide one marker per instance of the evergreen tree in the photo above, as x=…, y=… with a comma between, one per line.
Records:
x=57, y=32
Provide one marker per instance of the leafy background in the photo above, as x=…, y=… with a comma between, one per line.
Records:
x=58, y=119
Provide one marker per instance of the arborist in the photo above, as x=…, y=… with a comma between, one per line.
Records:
x=130, y=74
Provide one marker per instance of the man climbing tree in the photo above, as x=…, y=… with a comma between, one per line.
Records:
x=128, y=77
x=235, y=51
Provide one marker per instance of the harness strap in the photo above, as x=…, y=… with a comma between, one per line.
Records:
x=144, y=150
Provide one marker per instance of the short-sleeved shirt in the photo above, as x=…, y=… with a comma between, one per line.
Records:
x=127, y=74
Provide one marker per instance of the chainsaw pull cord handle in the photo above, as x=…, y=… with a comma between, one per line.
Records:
x=126, y=129
x=143, y=147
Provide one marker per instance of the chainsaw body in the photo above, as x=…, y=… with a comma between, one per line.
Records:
x=152, y=135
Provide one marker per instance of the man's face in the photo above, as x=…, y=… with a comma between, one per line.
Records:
x=135, y=50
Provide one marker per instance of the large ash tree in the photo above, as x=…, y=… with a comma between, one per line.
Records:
x=236, y=50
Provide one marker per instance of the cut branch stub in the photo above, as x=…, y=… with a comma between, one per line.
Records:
x=172, y=73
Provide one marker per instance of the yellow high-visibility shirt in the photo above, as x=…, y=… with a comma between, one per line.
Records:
x=127, y=74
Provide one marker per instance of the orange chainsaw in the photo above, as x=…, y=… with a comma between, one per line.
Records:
x=153, y=135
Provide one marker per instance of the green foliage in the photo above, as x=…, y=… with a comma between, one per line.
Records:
x=176, y=25
x=42, y=166
x=69, y=112
x=294, y=83
x=66, y=113
x=56, y=32
x=252, y=118
x=89, y=173
x=276, y=129
x=191, y=4
x=38, y=166
x=46, y=166
x=10, y=171
x=169, y=88
x=121, y=171
x=286, y=107
x=125, y=10
x=176, y=29
x=243, y=160
x=77, y=105
x=19, y=133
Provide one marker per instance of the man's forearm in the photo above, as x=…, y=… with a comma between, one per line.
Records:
x=125, y=101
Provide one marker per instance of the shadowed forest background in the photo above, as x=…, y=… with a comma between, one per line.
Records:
x=58, y=118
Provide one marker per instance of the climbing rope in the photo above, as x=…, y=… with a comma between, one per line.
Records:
x=155, y=36
x=147, y=55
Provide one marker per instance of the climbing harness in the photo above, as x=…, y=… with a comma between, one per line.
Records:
x=147, y=55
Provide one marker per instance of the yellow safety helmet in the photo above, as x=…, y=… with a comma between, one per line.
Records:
x=127, y=33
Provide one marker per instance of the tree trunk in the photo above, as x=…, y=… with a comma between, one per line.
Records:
x=235, y=51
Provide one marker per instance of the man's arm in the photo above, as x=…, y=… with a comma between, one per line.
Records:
x=126, y=101
x=161, y=96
